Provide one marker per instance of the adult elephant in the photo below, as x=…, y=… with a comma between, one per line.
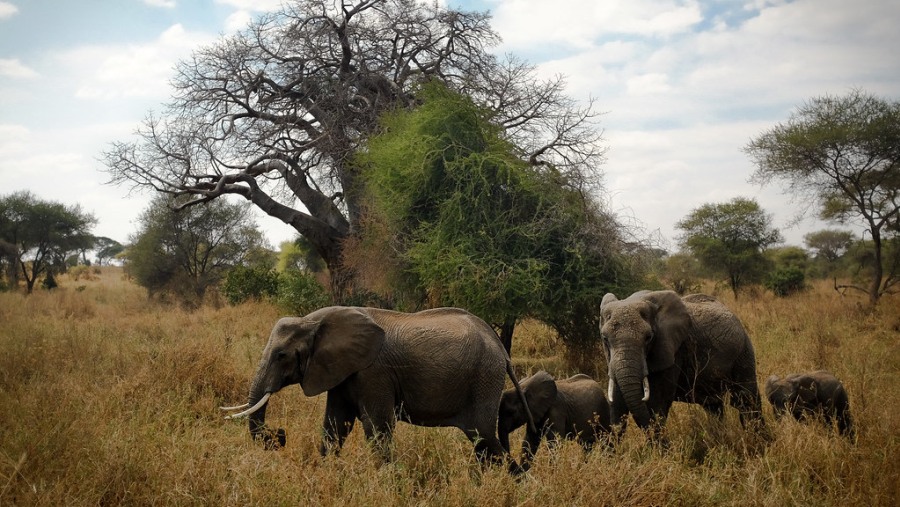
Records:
x=662, y=348
x=441, y=367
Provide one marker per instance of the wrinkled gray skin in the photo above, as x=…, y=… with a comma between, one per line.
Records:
x=690, y=349
x=811, y=394
x=574, y=408
x=441, y=367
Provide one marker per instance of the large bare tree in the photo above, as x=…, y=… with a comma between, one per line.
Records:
x=276, y=113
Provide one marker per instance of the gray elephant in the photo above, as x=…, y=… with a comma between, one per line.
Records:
x=573, y=408
x=811, y=394
x=662, y=348
x=440, y=367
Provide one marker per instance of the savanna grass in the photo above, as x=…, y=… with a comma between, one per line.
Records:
x=111, y=399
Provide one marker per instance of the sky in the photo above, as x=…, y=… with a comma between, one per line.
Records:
x=683, y=86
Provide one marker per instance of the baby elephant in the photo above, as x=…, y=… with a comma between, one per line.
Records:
x=575, y=408
x=804, y=394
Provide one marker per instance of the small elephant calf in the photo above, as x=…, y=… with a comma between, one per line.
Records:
x=811, y=393
x=575, y=408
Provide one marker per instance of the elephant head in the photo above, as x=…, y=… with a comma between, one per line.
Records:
x=540, y=393
x=641, y=335
x=318, y=352
x=780, y=394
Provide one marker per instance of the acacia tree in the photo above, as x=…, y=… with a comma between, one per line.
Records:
x=729, y=239
x=842, y=153
x=43, y=234
x=185, y=252
x=275, y=113
x=475, y=226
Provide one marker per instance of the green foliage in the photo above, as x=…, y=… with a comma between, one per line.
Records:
x=38, y=235
x=299, y=254
x=841, y=153
x=107, y=248
x=729, y=240
x=300, y=293
x=49, y=282
x=785, y=281
x=244, y=283
x=184, y=252
x=682, y=273
x=477, y=227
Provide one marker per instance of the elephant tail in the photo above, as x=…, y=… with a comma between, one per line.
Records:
x=512, y=376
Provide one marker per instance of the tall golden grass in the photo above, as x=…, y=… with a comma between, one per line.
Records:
x=108, y=399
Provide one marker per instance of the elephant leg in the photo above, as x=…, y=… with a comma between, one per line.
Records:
x=530, y=446
x=379, y=429
x=339, y=418
x=714, y=407
x=489, y=451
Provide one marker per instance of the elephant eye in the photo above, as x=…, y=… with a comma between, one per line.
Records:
x=280, y=355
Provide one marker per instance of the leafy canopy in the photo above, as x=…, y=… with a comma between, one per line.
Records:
x=185, y=252
x=475, y=225
x=40, y=234
x=729, y=239
x=843, y=154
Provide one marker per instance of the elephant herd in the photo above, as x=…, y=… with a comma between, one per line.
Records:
x=447, y=367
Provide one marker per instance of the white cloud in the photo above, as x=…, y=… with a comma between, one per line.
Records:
x=237, y=21
x=7, y=10
x=136, y=70
x=252, y=5
x=683, y=95
x=532, y=24
x=166, y=4
x=13, y=68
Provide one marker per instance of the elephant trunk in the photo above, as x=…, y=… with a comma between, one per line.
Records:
x=259, y=399
x=633, y=385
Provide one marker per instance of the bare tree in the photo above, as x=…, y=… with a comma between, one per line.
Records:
x=276, y=113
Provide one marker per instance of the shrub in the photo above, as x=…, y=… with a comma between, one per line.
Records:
x=786, y=281
x=300, y=293
x=244, y=283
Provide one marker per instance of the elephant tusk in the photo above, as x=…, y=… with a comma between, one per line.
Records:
x=252, y=409
x=237, y=407
x=611, y=389
x=646, y=390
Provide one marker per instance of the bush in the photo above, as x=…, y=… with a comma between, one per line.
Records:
x=786, y=281
x=300, y=293
x=243, y=283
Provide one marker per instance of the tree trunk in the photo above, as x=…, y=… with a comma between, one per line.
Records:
x=506, y=334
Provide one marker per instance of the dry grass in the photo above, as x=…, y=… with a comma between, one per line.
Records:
x=109, y=399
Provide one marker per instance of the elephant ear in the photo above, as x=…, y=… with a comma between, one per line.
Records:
x=671, y=328
x=347, y=340
x=540, y=393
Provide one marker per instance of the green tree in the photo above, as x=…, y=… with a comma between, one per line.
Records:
x=106, y=249
x=829, y=247
x=477, y=227
x=185, y=252
x=274, y=113
x=729, y=240
x=43, y=234
x=842, y=153
x=682, y=272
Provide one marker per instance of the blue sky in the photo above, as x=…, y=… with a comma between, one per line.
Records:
x=683, y=84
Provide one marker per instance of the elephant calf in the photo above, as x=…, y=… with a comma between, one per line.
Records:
x=810, y=394
x=575, y=408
